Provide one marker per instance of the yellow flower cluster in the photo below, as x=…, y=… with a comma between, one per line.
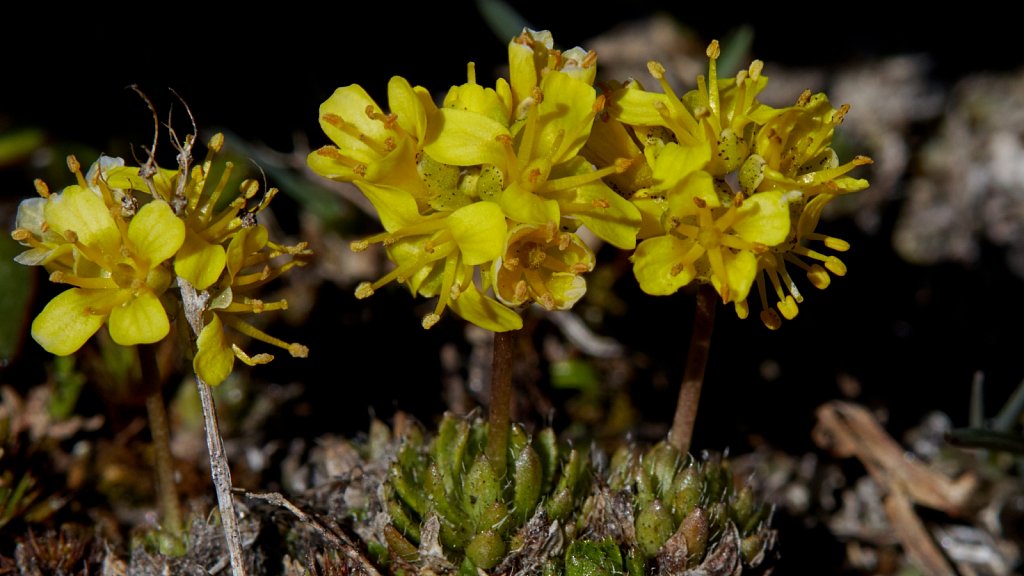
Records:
x=123, y=237
x=485, y=193
x=730, y=189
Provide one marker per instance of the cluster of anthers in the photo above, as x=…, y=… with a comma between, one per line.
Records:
x=127, y=238
x=486, y=192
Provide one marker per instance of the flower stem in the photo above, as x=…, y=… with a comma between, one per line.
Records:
x=501, y=400
x=160, y=430
x=194, y=303
x=693, y=378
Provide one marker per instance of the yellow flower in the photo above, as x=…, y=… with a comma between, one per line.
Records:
x=720, y=113
x=793, y=154
x=543, y=265
x=225, y=253
x=432, y=257
x=247, y=269
x=792, y=151
x=711, y=243
x=118, y=276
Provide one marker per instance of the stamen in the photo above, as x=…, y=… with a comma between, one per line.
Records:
x=95, y=283
x=41, y=188
x=364, y=290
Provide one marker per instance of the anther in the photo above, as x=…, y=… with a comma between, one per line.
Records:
x=298, y=350
x=20, y=234
x=41, y=188
x=713, y=50
x=755, y=69
x=600, y=203
x=358, y=245
x=771, y=319
x=835, y=266
x=216, y=142
x=73, y=164
x=430, y=320
x=700, y=202
x=590, y=59
x=656, y=70
x=804, y=98
x=364, y=290
x=521, y=291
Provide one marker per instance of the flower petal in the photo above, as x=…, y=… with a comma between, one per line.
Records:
x=84, y=212
x=214, y=358
x=764, y=218
x=565, y=117
x=141, y=320
x=464, y=138
x=348, y=106
x=407, y=106
x=66, y=322
x=199, y=262
x=485, y=312
x=524, y=206
x=654, y=261
x=155, y=232
x=479, y=230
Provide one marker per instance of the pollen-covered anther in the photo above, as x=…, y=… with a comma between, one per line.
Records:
x=358, y=245
x=547, y=301
x=360, y=169
x=579, y=268
x=590, y=59
x=622, y=164
x=537, y=257
x=600, y=203
x=57, y=277
x=656, y=69
x=788, y=307
x=364, y=290
x=861, y=160
x=20, y=234
x=804, y=98
x=835, y=266
x=73, y=165
x=737, y=200
x=755, y=69
x=599, y=104
x=41, y=188
x=771, y=319
x=510, y=264
x=818, y=277
x=700, y=202
x=837, y=244
x=257, y=305
x=758, y=248
x=677, y=269
x=713, y=51
x=298, y=350
x=333, y=120
x=533, y=176
x=430, y=320
x=216, y=142
x=389, y=144
x=71, y=236
x=521, y=291
x=537, y=94
x=701, y=112
x=563, y=242
x=837, y=118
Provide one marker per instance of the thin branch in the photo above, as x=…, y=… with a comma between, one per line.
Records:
x=338, y=539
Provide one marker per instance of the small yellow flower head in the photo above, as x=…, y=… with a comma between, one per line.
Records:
x=450, y=183
x=122, y=234
x=117, y=266
x=730, y=190
x=711, y=243
x=792, y=153
x=249, y=255
x=544, y=265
